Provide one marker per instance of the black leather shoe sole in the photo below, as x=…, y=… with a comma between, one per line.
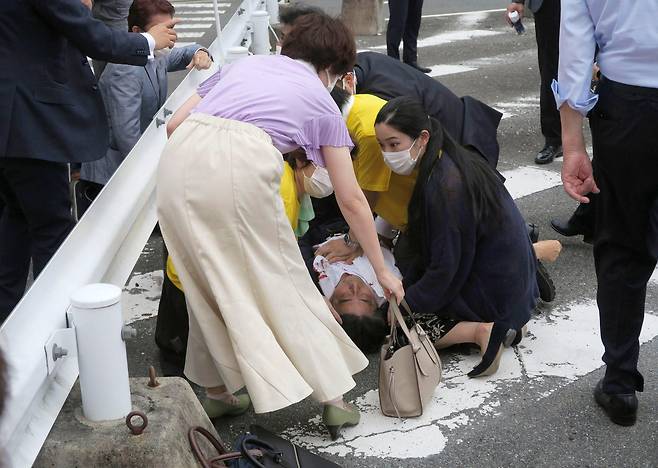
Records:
x=545, y=283
x=621, y=409
x=565, y=229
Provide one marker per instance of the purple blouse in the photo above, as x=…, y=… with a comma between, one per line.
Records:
x=281, y=96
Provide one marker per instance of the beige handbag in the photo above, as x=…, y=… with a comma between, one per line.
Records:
x=409, y=367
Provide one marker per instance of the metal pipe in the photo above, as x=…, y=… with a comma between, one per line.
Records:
x=218, y=29
x=273, y=10
x=261, y=39
x=102, y=358
x=236, y=53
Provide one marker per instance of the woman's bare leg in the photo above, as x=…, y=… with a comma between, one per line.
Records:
x=467, y=332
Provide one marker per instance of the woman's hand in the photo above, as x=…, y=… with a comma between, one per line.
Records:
x=391, y=284
x=336, y=250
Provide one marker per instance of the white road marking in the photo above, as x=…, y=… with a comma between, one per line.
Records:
x=191, y=34
x=199, y=5
x=461, y=13
x=185, y=19
x=563, y=346
x=519, y=106
x=141, y=296
x=442, y=70
x=193, y=26
x=526, y=180
x=450, y=36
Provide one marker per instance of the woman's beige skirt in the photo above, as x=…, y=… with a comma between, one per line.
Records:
x=256, y=318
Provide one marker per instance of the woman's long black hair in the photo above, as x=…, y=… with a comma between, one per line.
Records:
x=480, y=182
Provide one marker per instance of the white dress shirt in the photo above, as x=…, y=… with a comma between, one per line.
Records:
x=626, y=33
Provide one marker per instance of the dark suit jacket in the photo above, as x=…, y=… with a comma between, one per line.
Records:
x=50, y=105
x=468, y=120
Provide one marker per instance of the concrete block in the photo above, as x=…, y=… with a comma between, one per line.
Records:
x=171, y=408
x=364, y=17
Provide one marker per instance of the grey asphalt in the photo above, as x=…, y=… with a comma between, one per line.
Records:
x=565, y=428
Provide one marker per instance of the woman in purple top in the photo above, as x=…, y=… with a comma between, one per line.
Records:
x=256, y=318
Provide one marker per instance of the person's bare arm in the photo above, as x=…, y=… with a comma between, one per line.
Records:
x=182, y=113
x=577, y=174
x=357, y=213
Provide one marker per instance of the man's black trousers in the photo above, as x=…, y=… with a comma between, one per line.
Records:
x=625, y=143
x=547, y=31
x=36, y=218
x=404, y=25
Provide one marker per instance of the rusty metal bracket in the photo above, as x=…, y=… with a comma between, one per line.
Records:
x=136, y=430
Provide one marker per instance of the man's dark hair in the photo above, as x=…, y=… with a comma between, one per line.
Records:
x=323, y=41
x=341, y=97
x=141, y=12
x=366, y=331
x=288, y=15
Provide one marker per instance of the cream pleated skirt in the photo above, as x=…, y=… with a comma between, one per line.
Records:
x=256, y=318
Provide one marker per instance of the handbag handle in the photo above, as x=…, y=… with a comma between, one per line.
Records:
x=267, y=448
x=396, y=316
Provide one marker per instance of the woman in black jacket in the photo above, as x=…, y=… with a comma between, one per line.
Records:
x=468, y=264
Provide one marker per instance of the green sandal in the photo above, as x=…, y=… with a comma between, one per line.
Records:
x=218, y=408
x=334, y=418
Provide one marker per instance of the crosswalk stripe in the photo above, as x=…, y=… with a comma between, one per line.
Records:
x=443, y=70
x=199, y=5
x=191, y=34
x=526, y=180
x=193, y=26
x=450, y=36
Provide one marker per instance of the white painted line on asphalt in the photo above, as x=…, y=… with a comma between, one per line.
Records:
x=199, y=5
x=191, y=34
x=443, y=70
x=193, y=26
x=451, y=36
x=527, y=180
x=563, y=347
x=185, y=19
x=461, y=13
x=141, y=296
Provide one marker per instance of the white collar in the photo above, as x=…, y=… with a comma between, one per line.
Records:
x=347, y=108
x=307, y=65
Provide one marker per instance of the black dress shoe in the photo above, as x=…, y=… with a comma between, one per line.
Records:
x=533, y=232
x=545, y=283
x=418, y=67
x=567, y=228
x=621, y=408
x=548, y=154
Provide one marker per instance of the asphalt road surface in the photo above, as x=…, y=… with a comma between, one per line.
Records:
x=538, y=410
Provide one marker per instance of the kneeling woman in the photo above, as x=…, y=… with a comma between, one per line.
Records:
x=466, y=259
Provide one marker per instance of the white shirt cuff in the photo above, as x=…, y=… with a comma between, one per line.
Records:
x=582, y=106
x=151, y=42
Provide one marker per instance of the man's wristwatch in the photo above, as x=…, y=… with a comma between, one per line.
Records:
x=351, y=243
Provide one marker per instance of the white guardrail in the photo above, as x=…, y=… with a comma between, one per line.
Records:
x=102, y=248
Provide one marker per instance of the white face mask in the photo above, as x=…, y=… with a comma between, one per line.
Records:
x=319, y=184
x=331, y=83
x=401, y=162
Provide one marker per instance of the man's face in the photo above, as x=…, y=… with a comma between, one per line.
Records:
x=353, y=296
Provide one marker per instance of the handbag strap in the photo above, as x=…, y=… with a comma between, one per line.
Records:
x=396, y=316
x=224, y=455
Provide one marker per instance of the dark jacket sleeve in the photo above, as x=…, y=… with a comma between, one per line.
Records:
x=180, y=57
x=450, y=239
x=95, y=39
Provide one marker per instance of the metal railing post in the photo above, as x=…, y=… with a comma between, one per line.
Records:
x=261, y=41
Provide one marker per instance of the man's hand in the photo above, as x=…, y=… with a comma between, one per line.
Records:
x=200, y=60
x=518, y=7
x=577, y=175
x=164, y=34
x=336, y=250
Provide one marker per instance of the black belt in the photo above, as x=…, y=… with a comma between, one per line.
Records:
x=629, y=88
